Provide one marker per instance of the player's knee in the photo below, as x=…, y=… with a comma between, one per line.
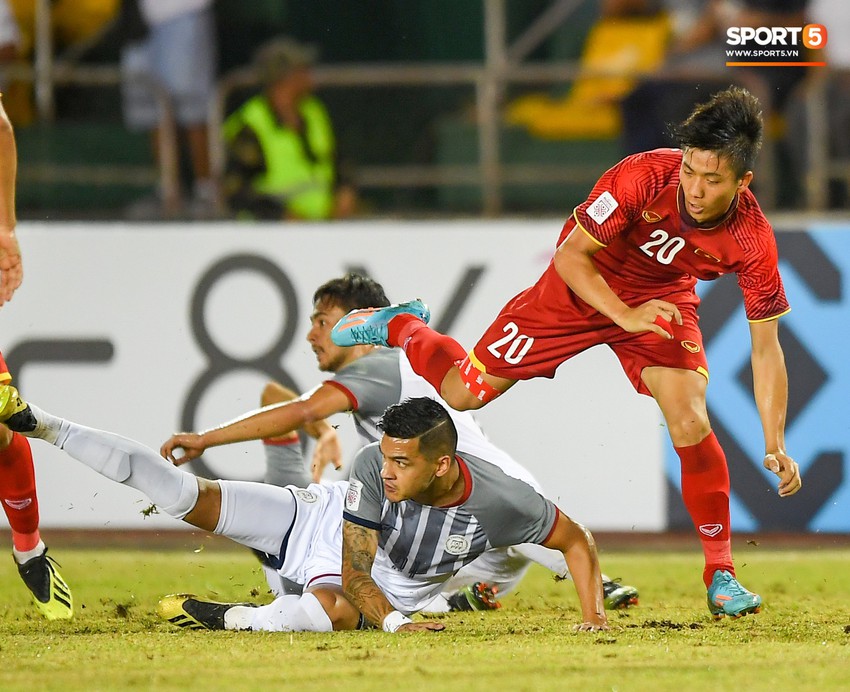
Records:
x=468, y=388
x=688, y=428
x=338, y=608
x=460, y=399
x=205, y=508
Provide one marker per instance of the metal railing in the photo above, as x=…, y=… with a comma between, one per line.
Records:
x=166, y=174
x=821, y=166
x=490, y=173
x=502, y=67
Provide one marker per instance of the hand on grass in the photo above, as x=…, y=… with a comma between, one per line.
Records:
x=422, y=627
x=591, y=627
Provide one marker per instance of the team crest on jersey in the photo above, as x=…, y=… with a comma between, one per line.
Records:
x=457, y=544
x=651, y=216
x=306, y=496
x=707, y=255
x=602, y=207
x=352, y=497
x=691, y=346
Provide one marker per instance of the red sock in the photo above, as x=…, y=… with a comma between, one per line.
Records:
x=430, y=353
x=705, y=491
x=17, y=493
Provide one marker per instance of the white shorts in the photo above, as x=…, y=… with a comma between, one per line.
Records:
x=179, y=54
x=301, y=527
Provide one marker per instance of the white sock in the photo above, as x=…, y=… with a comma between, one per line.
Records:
x=21, y=556
x=239, y=617
x=47, y=426
x=552, y=560
x=438, y=604
x=284, y=614
x=131, y=463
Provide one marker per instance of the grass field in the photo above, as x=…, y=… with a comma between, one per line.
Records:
x=801, y=639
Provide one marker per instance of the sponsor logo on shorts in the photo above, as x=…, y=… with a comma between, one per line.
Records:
x=710, y=530
x=602, y=207
x=457, y=544
x=352, y=497
x=651, y=216
x=306, y=495
x=19, y=504
x=691, y=346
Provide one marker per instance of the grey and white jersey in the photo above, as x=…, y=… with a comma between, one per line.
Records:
x=384, y=377
x=420, y=546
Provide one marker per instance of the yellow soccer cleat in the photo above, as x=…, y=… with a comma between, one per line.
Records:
x=50, y=593
x=190, y=612
x=14, y=411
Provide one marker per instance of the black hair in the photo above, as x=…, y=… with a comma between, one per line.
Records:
x=729, y=124
x=351, y=292
x=423, y=418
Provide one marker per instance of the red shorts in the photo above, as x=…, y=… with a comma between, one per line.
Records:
x=548, y=324
x=4, y=371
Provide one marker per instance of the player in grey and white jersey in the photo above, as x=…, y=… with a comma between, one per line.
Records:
x=300, y=528
x=418, y=509
x=366, y=380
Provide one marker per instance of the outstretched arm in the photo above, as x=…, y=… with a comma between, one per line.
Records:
x=11, y=268
x=579, y=549
x=359, y=546
x=770, y=389
x=269, y=421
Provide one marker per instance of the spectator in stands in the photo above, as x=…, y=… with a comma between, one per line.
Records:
x=175, y=46
x=698, y=43
x=281, y=150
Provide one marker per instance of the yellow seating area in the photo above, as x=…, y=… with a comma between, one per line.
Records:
x=628, y=47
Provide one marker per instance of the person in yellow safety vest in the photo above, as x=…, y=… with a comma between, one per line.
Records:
x=281, y=149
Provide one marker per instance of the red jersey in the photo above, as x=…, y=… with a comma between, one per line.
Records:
x=652, y=247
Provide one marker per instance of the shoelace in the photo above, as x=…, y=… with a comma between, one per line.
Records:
x=733, y=587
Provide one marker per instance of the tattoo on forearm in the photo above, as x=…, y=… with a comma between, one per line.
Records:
x=358, y=555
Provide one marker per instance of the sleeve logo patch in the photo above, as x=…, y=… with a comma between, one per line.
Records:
x=352, y=497
x=603, y=207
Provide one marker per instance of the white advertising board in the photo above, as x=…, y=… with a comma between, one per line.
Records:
x=136, y=329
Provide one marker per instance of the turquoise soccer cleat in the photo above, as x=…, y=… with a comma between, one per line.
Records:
x=369, y=325
x=727, y=597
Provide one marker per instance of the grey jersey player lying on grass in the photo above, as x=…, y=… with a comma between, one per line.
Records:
x=365, y=381
x=417, y=509
x=435, y=511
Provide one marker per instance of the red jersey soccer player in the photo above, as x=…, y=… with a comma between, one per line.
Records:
x=17, y=477
x=623, y=275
